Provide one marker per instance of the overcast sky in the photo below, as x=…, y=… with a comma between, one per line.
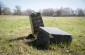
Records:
x=43, y=4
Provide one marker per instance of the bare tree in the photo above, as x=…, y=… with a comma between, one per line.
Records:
x=80, y=12
x=1, y=7
x=67, y=12
x=58, y=12
x=84, y=12
x=6, y=11
x=48, y=12
x=17, y=10
x=63, y=12
x=28, y=12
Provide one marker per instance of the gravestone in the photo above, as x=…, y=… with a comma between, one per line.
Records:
x=36, y=22
x=46, y=34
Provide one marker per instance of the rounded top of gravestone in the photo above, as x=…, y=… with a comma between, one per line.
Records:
x=35, y=14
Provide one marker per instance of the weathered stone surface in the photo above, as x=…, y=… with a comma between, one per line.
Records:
x=43, y=39
x=53, y=30
x=53, y=35
x=36, y=22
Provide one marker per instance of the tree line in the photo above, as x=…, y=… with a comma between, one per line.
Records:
x=45, y=12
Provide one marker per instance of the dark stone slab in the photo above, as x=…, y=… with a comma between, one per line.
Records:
x=36, y=22
x=48, y=35
x=43, y=39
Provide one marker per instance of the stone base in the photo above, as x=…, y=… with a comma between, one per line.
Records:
x=45, y=38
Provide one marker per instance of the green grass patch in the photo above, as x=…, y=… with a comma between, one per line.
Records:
x=12, y=27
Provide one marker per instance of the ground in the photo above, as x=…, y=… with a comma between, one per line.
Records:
x=15, y=29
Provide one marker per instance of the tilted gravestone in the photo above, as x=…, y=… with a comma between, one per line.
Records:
x=36, y=22
x=46, y=35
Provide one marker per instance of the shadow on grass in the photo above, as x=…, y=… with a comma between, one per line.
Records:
x=31, y=37
x=32, y=41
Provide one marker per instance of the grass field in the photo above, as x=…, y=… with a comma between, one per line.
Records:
x=15, y=27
